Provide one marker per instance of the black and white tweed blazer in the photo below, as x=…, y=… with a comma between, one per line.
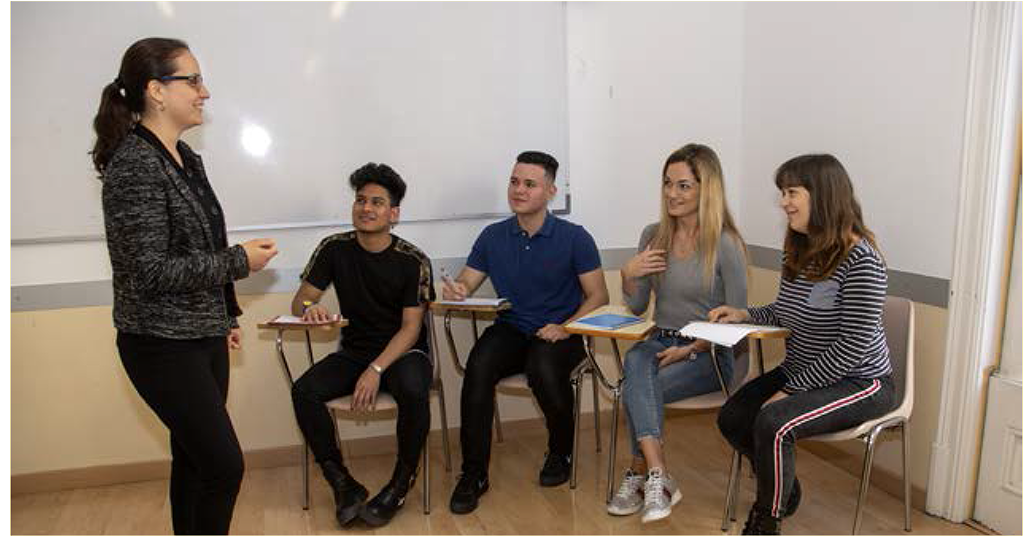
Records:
x=170, y=279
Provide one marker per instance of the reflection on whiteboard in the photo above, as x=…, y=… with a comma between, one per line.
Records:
x=302, y=95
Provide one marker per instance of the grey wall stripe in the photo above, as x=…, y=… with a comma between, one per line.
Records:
x=919, y=288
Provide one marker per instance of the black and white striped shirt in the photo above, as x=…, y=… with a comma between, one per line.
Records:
x=836, y=323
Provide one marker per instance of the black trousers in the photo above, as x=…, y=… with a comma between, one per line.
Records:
x=503, y=351
x=767, y=435
x=407, y=379
x=185, y=382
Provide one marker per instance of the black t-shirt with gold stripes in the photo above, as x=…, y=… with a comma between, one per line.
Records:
x=372, y=289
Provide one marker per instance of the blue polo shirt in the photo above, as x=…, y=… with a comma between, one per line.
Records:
x=538, y=274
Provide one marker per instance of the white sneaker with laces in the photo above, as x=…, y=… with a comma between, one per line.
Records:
x=629, y=499
x=660, y=493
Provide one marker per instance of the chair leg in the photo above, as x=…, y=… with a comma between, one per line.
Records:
x=597, y=412
x=729, y=515
x=865, y=478
x=906, y=477
x=444, y=427
x=305, y=475
x=577, y=390
x=497, y=422
x=612, y=440
x=426, y=478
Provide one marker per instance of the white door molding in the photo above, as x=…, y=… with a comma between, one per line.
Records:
x=980, y=258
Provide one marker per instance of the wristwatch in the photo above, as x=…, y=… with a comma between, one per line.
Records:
x=377, y=368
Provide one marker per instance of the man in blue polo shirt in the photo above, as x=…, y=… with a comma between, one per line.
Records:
x=550, y=270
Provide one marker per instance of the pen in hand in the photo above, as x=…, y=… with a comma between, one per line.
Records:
x=452, y=290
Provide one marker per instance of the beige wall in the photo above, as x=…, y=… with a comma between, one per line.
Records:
x=73, y=407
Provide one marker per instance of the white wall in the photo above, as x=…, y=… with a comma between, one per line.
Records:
x=881, y=85
x=645, y=79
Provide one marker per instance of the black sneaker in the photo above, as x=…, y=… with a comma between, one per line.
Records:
x=379, y=511
x=758, y=523
x=794, y=499
x=349, y=494
x=467, y=493
x=556, y=470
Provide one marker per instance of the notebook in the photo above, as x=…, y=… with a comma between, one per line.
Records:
x=609, y=321
x=492, y=302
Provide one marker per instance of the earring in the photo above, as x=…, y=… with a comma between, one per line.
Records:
x=162, y=107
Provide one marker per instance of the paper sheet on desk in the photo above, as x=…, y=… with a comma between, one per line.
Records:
x=492, y=302
x=298, y=321
x=724, y=334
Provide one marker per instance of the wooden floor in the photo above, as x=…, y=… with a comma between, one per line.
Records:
x=270, y=500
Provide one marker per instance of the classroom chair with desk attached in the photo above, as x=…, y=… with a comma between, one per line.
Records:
x=516, y=384
x=898, y=322
x=385, y=403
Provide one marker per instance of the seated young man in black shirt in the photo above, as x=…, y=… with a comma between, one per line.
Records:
x=383, y=285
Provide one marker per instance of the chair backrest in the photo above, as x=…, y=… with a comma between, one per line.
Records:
x=898, y=322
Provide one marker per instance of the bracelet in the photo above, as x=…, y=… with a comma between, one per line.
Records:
x=377, y=368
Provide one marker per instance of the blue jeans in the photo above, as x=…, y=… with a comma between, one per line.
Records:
x=646, y=388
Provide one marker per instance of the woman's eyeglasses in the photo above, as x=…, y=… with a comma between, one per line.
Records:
x=194, y=80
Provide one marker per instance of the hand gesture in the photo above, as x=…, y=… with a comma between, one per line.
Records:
x=552, y=333
x=259, y=252
x=728, y=315
x=364, y=397
x=649, y=261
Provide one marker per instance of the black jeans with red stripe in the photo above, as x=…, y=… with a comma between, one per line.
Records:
x=767, y=435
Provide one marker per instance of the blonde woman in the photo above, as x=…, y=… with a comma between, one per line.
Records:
x=693, y=260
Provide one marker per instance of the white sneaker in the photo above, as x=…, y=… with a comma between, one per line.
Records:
x=629, y=499
x=660, y=493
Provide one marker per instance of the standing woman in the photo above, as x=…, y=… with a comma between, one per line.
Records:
x=693, y=260
x=836, y=373
x=174, y=300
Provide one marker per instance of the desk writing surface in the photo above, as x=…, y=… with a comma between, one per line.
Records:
x=334, y=324
x=450, y=306
x=634, y=332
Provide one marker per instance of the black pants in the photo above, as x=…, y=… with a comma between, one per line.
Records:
x=501, y=352
x=767, y=435
x=185, y=382
x=407, y=379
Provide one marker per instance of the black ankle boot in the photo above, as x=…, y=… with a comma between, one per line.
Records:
x=349, y=494
x=389, y=501
x=758, y=523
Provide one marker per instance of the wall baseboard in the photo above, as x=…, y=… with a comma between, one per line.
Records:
x=106, y=475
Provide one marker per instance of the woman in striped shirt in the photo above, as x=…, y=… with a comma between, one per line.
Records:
x=836, y=372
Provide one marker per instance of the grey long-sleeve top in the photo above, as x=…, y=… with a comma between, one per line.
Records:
x=681, y=293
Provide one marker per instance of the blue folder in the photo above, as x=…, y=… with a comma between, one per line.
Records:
x=610, y=321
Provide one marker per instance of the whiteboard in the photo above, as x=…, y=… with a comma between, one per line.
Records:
x=303, y=93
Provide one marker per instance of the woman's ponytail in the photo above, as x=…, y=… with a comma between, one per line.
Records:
x=112, y=123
